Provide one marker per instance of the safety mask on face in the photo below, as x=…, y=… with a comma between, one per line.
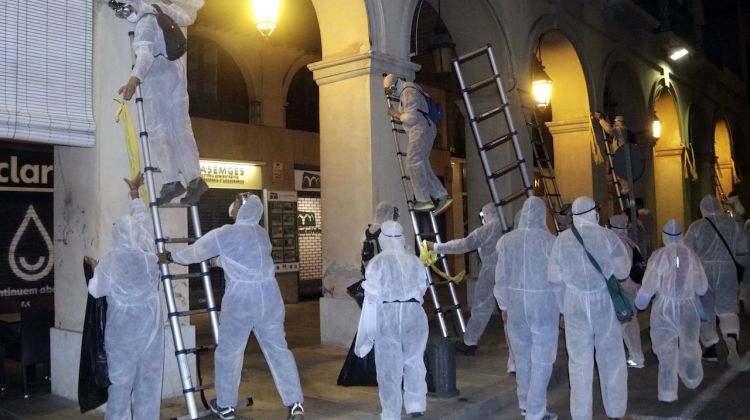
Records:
x=122, y=10
x=390, y=90
x=133, y=17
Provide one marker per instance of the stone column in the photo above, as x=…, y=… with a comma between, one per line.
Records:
x=358, y=169
x=669, y=185
x=89, y=197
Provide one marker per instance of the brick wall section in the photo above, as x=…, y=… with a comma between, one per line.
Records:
x=310, y=256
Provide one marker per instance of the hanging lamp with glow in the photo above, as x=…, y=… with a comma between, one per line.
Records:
x=656, y=127
x=541, y=83
x=266, y=15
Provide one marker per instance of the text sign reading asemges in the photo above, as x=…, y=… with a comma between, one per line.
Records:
x=231, y=175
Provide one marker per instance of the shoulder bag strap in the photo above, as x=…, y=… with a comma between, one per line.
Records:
x=591, y=258
x=722, y=240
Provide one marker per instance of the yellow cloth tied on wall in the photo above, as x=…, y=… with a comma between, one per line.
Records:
x=596, y=152
x=429, y=258
x=131, y=139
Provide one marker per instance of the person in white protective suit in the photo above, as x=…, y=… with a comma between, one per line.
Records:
x=619, y=136
x=165, y=99
x=484, y=238
x=721, y=299
x=631, y=330
x=591, y=327
x=393, y=319
x=675, y=275
x=251, y=303
x=128, y=276
x=532, y=304
x=412, y=112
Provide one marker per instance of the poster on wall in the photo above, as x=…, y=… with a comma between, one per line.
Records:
x=26, y=243
x=282, y=228
x=305, y=180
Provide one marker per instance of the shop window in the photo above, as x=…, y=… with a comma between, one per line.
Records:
x=215, y=83
x=302, y=109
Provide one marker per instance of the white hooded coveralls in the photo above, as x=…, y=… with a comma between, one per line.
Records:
x=128, y=276
x=484, y=239
x=591, y=327
x=251, y=303
x=531, y=301
x=675, y=275
x=393, y=319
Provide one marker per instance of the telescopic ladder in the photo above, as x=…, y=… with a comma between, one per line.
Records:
x=542, y=159
x=608, y=141
x=189, y=387
x=434, y=235
x=716, y=175
x=493, y=176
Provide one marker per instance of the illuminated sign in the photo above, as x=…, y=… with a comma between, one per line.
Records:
x=232, y=174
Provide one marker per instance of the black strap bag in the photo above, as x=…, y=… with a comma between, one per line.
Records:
x=620, y=301
x=638, y=269
x=174, y=39
x=737, y=266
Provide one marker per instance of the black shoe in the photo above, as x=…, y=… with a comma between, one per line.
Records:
x=465, y=348
x=224, y=413
x=710, y=355
x=296, y=412
x=416, y=414
x=195, y=190
x=169, y=192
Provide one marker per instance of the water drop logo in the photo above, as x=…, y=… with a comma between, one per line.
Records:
x=21, y=267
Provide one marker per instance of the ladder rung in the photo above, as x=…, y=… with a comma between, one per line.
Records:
x=396, y=121
x=187, y=276
x=179, y=240
x=505, y=169
x=176, y=205
x=399, y=130
x=203, y=387
x=198, y=349
x=428, y=234
x=394, y=99
x=483, y=83
x=490, y=113
x=498, y=141
x=192, y=312
x=470, y=55
x=515, y=196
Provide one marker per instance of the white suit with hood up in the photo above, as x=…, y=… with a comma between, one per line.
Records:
x=128, y=276
x=591, y=327
x=483, y=239
x=721, y=299
x=531, y=301
x=675, y=275
x=251, y=303
x=631, y=330
x=394, y=321
x=164, y=88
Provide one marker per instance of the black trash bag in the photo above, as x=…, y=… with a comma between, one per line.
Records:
x=93, y=377
x=358, y=371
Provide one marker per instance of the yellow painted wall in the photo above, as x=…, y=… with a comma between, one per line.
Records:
x=668, y=164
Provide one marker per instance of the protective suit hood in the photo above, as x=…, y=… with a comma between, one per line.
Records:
x=394, y=84
x=384, y=212
x=710, y=206
x=250, y=212
x=585, y=211
x=490, y=214
x=533, y=214
x=672, y=233
x=619, y=224
x=125, y=234
x=392, y=237
x=140, y=6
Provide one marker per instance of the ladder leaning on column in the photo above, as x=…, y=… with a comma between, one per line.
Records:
x=397, y=130
x=716, y=175
x=557, y=207
x=189, y=388
x=608, y=141
x=493, y=176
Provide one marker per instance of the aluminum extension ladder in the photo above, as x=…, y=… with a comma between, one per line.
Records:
x=189, y=388
x=397, y=129
x=555, y=203
x=503, y=108
x=716, y=175
x=608, y=140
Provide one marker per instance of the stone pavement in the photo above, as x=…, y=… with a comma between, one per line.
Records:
x=487, y=391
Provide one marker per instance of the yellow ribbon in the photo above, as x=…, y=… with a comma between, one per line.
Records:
x=429, y=258
x=131, y=139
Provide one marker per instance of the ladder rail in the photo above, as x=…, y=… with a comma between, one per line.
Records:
x=410, y=200
x=611, y=169
x=719, y=189
x=206, y=278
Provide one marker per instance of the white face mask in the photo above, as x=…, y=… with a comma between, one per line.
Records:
x=133, y=17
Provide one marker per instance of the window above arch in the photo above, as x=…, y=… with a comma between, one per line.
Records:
x=302, y=105
x=215, y=83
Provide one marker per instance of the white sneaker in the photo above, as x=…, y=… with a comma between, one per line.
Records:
x=635, y=365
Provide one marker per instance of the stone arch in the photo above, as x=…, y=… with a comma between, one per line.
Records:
x=234, y=51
